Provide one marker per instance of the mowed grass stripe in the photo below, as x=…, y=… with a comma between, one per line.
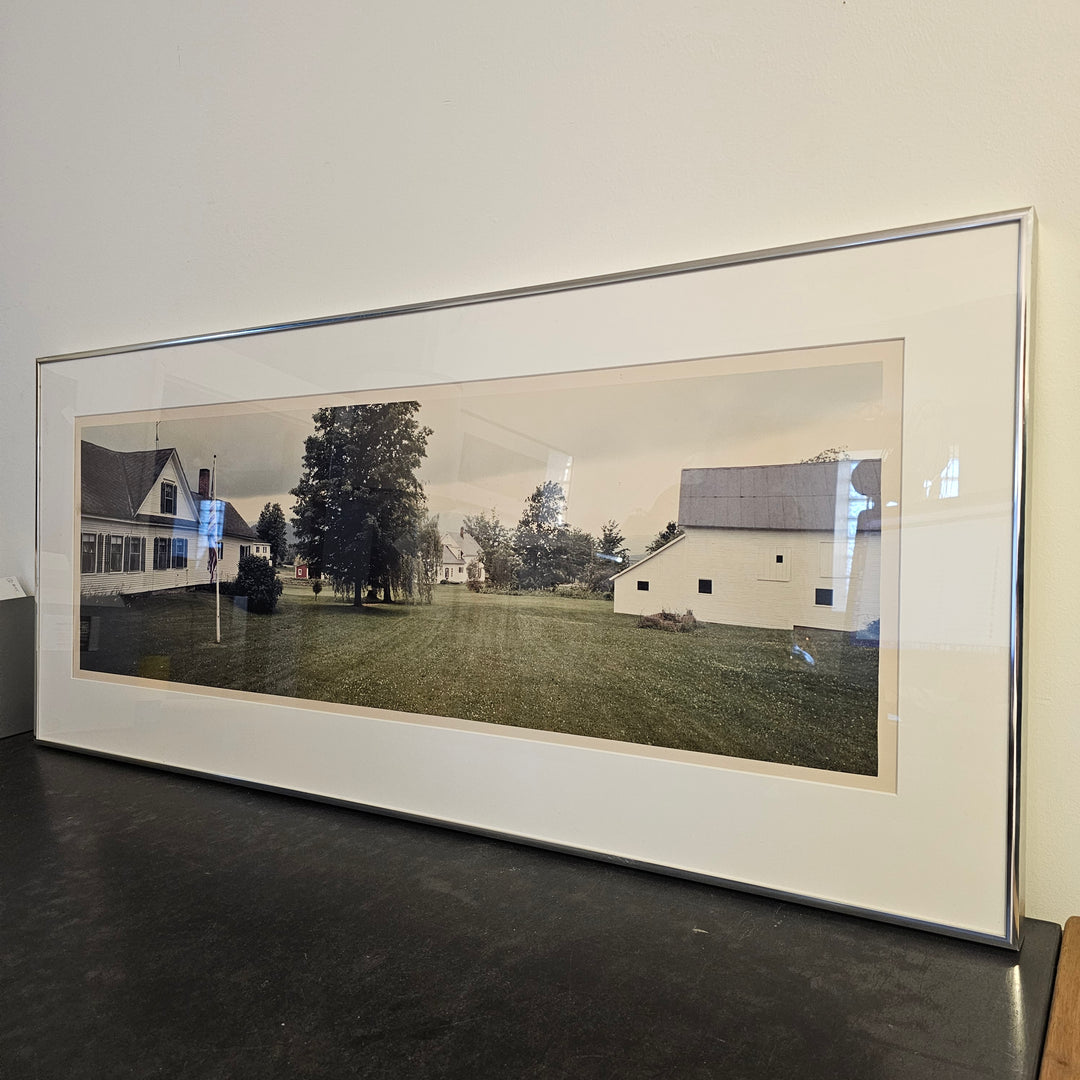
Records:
x=536, y=660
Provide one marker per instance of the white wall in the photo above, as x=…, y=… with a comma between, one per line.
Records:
x=759, y=577
x=169, y=169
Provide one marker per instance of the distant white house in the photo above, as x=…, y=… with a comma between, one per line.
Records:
x=457, y=553
x=771, y=546
x=142, y=528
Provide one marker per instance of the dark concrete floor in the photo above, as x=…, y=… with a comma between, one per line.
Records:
x=155, y=925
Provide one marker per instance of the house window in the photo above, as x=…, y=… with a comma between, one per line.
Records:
x=643, y=586
x=115, y=555
x=779, y=558
x=245, y=550
x=136, y=554
x=88, y=563
x=823, y=597
x=704, y=585
x=179, y=553
x=162, y=552
x=168, y=497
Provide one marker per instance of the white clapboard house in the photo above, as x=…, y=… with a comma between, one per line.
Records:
x=773, y=546
x=457, y=553
x=140, y=524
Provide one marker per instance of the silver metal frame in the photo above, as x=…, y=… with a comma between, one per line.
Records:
x=1024, y=218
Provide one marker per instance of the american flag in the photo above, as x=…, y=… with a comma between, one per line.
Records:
x=212, y=525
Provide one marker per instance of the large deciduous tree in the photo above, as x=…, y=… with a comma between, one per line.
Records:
x=271, y=527
x=551, y=552
x=359, y=505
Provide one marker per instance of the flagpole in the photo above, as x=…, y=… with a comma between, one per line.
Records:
x=214, y=541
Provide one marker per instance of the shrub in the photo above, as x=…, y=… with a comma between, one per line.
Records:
x=474, y=585
x=671, y=621
x=576, y=591
x=256, y=579
x=316, y=587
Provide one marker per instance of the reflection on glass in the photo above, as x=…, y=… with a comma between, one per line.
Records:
x=946, y=485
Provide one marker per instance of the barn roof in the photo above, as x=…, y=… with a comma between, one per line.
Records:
x=802, y=497
x=115, y=483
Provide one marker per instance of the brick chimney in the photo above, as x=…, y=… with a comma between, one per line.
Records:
x=204, y=483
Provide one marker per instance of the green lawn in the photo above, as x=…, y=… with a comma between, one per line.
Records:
x=536, y=661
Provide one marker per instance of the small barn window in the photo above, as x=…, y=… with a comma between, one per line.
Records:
x=643, y=586
x=704, y=585
x=823, y=597
x=779, y=558
x=168, y=497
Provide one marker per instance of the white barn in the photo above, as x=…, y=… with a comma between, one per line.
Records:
x=140, y=524
x=772, y=546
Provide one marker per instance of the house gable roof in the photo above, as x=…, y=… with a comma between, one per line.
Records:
x=804, y=497
x=115, y=485
x=187, y=502
x=234, y=525
x=450, y=556
x=462, y=548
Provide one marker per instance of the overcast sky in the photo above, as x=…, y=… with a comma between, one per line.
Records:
x=617, y=440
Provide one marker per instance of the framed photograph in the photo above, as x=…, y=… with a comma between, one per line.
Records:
x=711, y=568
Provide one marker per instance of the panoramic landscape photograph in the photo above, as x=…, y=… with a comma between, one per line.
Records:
x=684, y=555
